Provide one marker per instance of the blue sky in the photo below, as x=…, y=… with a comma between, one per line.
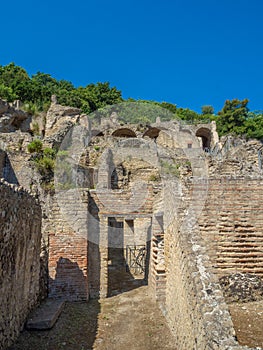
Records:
x=189, y=52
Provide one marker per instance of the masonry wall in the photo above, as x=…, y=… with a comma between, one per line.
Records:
x=194, y=306
x=20, y=240
x=231, y=224
x=124, y=207
x=68, y=246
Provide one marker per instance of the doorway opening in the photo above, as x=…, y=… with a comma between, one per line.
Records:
x=126, y=261
x=205, y=135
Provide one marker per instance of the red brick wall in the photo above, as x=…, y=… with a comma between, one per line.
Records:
x=68, y=265
x=231, y=223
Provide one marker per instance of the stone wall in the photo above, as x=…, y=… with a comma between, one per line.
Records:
x=194, y=306
x=20, y=240
x=78, y=235
x=106, y=239
x=231, y=224
x=68, y=246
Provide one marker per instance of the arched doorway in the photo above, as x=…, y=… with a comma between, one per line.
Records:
x=205, y=135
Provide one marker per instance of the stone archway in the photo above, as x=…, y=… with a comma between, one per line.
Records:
x=205, y=135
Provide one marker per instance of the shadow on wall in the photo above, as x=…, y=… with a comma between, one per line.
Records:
x=94, y=254
x=6, y=169
x=77, y=326
x=69, y=283
x=148, y=253
x=120, y=277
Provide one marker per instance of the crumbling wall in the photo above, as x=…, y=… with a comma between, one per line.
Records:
x=195, y=308
x=231, y=224
x=20, y=239
x=13, y=118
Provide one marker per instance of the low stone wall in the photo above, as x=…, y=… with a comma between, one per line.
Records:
x=196, y=310
x=20, y=242
x=195, y=307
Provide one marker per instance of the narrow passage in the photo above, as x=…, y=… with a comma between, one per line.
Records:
x=129, y=320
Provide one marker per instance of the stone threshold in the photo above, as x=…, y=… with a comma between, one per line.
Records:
x=46, y=315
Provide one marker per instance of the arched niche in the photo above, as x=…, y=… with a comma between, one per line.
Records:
x=205, y=135
x=124, y=132
x=153, y=133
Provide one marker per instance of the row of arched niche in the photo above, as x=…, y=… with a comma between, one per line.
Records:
x=153, y=133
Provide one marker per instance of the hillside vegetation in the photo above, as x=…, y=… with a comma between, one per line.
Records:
x=35, y=94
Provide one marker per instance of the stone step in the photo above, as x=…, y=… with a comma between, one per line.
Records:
x=46, y=315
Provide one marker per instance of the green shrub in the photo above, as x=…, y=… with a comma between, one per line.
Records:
x=49, y=153
x=44, y=160
x=48, y=186
x=35, y=146
x=35, y=128
x=30, y=108
x=6, y=93
x=45, y=165
x=172, y=169
x=62, y=154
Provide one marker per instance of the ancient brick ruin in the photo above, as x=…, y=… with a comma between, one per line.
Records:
x=165, y=204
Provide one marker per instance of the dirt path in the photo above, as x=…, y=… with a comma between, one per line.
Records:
x=248, y=322
x=132, y=320
x=129, y=320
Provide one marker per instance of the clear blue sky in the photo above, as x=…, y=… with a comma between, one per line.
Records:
x=188, y=52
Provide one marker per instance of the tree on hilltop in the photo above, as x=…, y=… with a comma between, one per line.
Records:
x=232, y=117
x=208, y=110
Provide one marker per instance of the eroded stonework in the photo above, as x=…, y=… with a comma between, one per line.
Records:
x=164, y=204
x=20, y=242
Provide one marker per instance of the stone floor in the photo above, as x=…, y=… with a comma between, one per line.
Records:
x=130, y=320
